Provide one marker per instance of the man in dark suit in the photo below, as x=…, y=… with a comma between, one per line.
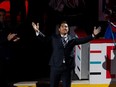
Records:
x=6, y=39
x=62, y=60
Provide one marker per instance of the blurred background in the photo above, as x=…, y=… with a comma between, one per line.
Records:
x=30, y=57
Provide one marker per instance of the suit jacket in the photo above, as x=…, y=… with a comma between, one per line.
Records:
x=60, y=52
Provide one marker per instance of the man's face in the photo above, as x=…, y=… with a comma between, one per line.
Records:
x=64, y=28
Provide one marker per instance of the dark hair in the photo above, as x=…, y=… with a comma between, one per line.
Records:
x=3, y=10
x=62, y=22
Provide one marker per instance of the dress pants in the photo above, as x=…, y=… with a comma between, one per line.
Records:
x=62, y=74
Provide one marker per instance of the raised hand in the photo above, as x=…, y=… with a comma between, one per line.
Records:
x=12, y=37
x=35, y=26
x=96, y=31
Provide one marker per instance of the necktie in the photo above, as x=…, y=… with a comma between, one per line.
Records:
x=64, y=41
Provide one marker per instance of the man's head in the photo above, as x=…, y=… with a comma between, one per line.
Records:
x=2, y=15
x=63, y=28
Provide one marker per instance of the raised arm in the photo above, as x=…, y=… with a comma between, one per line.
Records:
x=36, y=29
x=96, y=30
